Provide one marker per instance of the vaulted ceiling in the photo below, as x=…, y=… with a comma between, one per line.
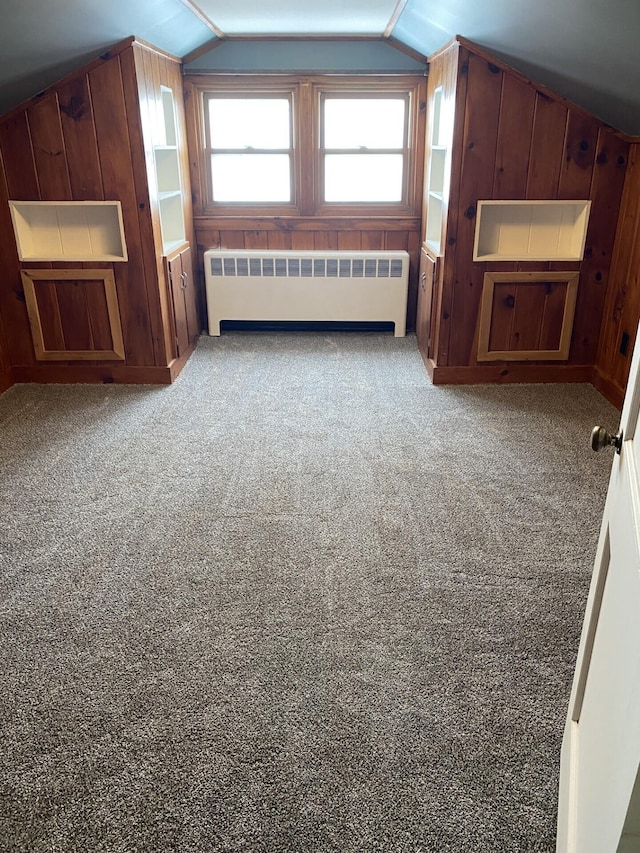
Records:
x=585, y=50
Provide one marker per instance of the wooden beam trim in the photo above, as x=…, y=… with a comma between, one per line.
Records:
x=207, y=47
x=203, y=17
x=223, y=223
x=395, y=16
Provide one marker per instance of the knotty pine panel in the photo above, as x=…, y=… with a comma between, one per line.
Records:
x=48, y=150
x=479, y=141
x=517, y=106
x=527, y=316
x=17, y=153
x=607, y=183
x=622, y=305
x=544, y=148
x=116, y=162
x=80, y=143
x=19, y=348
x=546, y=153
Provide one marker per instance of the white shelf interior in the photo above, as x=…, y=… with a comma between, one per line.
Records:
x=531, y=230
x=437, y=174
x=167, y=167
x=69, y=230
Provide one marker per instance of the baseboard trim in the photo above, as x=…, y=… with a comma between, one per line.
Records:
x=119, y=374
x=507, y=372
x=608, y=388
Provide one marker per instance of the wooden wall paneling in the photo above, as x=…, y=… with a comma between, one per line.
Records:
x=304, y=241
x=279, y=240
x=484, y=91
x=17, y=152
x=546, y=153
x=350, y=241
x=141, y=147
x=580, y=151
x=552, y=316
x=610, y=155
x=6, y=379
x=116, y=161
x=371, y=241
x=527, y=316
x=622, y=306
x=19, y=348
x=60, y=315
x=85, y=181
x=327, y=241
x=502, y=313
x=256, y=240
x=80, y=143
x=515, y=123
x=191, y=106
x=232, y=239
x=49, y=152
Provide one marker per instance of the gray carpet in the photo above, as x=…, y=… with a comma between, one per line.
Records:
x=301, y=600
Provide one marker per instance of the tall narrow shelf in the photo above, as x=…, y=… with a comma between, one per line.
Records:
x=436, y=177
x=167, y=168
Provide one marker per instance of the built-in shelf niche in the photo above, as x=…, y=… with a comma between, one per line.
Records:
x=531, y=230
x=69, y=230
x=167, y=168
x=436, y=176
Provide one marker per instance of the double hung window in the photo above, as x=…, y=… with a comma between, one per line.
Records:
x=310, y=147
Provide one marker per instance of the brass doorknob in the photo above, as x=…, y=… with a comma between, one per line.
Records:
x=601, y=438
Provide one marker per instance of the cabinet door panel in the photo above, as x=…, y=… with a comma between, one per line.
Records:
x=174, y=270
x=425, y=303
x=190, y=295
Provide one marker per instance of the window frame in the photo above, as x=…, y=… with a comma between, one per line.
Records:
x=306, y=94
x=234, y=92
x=325, y=93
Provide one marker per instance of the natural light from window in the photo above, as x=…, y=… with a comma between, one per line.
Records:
x=364, y=140
x=250, y=140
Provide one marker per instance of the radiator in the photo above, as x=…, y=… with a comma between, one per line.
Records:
x=306, y=286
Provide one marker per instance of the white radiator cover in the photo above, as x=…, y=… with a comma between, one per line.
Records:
x=306, y=286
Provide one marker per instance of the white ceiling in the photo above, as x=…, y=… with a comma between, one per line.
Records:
x=301, y=17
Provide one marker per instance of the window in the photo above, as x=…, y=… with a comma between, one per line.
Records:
x=311, y=146
x=250, y=149
x=364, y=148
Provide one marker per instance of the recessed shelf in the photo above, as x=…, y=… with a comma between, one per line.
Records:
x=69, y=230
x=530, y=230
x=167, y=165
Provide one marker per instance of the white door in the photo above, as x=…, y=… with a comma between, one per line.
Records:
x=599, y=803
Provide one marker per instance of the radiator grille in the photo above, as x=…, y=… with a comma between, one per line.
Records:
x=268, y=267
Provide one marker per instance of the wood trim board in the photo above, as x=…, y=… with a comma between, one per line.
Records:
x=485, y=353
x=29, y=277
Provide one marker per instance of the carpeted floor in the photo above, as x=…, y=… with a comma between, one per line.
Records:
x=301, y=600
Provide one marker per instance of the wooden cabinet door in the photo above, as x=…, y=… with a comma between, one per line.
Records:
x=174, y=274
x=183, y=299
x=190, y=295
x=425, y=302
